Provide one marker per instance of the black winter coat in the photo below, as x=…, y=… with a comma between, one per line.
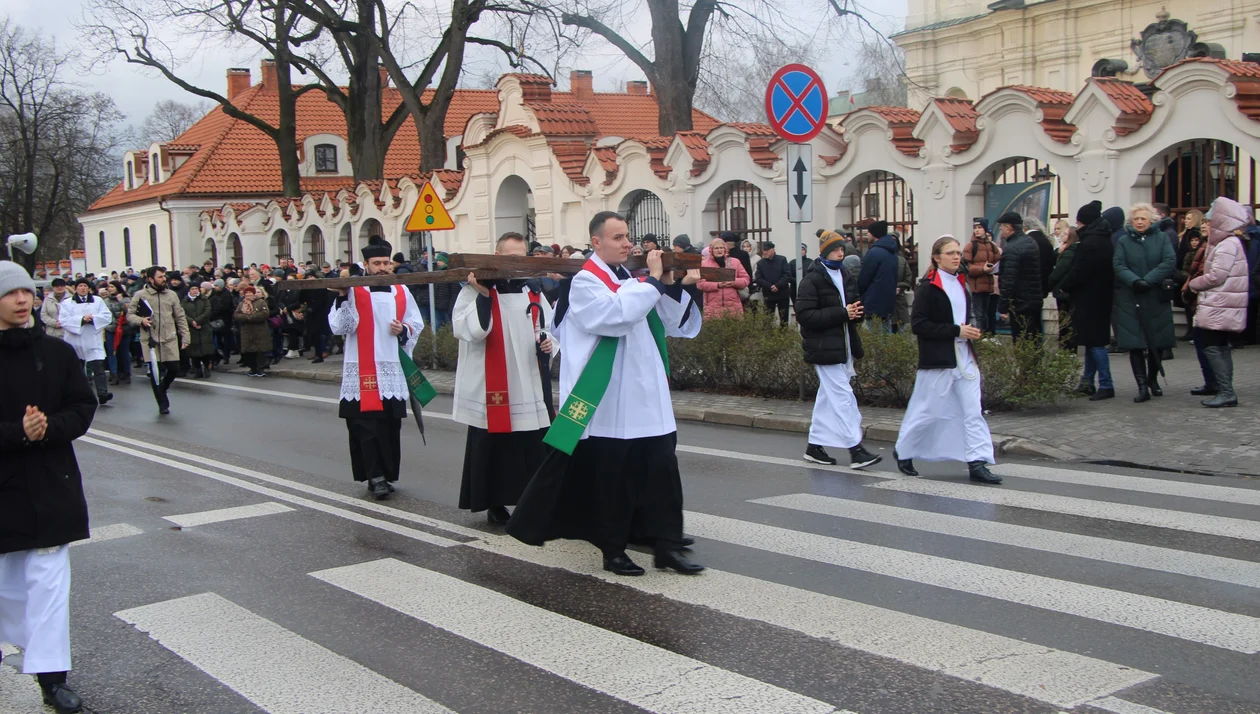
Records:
x=773, y=272
x=932, y=321
x=878, y=279
x=824, y=317
x=41, y=489
x=1019, y=278
x=1045, y=254
x=1090, y=284
x=222, y=306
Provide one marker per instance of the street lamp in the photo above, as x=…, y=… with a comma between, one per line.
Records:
x=1228, y=166
x=1043, y=174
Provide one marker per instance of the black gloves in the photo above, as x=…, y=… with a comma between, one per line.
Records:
x=1141, y=286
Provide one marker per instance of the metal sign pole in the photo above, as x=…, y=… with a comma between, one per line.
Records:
x=428, y=241
x=800, y=274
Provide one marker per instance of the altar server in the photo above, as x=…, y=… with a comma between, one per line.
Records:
x=376, y=323
x=829, y=313
x=83, y=317
x=622, y=483
x=502, y=330
x=944, y=421
x=45, y=404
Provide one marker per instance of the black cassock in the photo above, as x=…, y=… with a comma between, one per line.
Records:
x=498, y=466
x=610, y=493
x=375, y=439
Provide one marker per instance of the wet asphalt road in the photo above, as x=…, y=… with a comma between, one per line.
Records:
x=1068, y=588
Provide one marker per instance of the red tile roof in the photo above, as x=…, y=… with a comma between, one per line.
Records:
x=961, y=115
x=1245, y=76
x=557, y=119
x=656, y=149
x=234, y=158
x=1135, y=107
x=607, y=156
x=901, y=121
x=754, y=129
x=571, y=155
x=697, y=147
x=1054, y=105
x=450, y=180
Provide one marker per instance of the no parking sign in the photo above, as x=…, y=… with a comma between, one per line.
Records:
x=796, y=103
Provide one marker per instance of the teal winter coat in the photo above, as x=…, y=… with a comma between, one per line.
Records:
x=1143, y=320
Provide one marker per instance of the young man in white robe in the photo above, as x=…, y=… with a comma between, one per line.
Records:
x=621, y=484
x=944, y=420
x=502, y=328
x=376, y=322
x=829, y=312
x=83, y=318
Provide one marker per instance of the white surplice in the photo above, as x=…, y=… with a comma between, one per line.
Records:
x=344, y=320
x=35, y=607
x=944, y=420
x=520, y=335
x=836, y=420
x=87, y=338
x=637, y=403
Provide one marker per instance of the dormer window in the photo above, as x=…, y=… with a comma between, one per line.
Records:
x=157, y=169
x=325, y=159
x=131, y=175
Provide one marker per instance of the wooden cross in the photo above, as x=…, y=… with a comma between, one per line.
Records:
x=507, y=267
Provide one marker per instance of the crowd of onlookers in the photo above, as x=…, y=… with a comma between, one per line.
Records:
x=1114, y=276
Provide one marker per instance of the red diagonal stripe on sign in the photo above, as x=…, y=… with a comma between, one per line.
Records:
x=797, y=101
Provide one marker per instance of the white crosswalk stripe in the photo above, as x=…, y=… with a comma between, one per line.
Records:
x=1208, y=492
x=201, y=518
x=110, y=532
x=644, y=675
x=270, y=666
x=1104, y=510
x=1168, y=560
x=1189, y=622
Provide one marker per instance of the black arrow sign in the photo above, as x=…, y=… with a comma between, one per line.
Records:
x=800, y=169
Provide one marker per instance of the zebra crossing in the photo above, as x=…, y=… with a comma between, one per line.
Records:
x=238, y=647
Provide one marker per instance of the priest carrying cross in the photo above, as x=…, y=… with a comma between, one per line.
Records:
x=501, y=326
x=621, y=483
x=376, y=322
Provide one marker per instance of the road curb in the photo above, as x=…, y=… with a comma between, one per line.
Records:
x=875, y=431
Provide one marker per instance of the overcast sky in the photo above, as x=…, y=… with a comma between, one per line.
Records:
x=136, y=89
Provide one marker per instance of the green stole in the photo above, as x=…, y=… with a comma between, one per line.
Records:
x=578, y=410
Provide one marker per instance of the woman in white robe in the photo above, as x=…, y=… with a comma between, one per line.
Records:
x=944, y=421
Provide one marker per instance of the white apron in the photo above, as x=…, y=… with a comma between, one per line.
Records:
x=944, y=420
x=35, y=607
x=836, y=421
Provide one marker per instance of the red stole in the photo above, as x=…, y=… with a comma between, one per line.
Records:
x=498, y=401
x=365, y=334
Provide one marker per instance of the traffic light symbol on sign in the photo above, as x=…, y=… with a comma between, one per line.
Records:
x=429, y=213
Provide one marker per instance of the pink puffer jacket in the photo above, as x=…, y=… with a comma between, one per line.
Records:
x=720, y=301
x=1224, y=284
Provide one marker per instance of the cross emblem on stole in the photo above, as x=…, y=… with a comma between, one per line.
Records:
x=368, y=383
x=578, y=412
x=497, y=398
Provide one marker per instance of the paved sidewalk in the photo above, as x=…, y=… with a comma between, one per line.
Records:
x=1169, y=432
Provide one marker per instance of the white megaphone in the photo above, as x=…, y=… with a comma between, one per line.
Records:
x=25, y=242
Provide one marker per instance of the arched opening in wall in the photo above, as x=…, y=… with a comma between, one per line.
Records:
x=345, y=245
x=739, y=207
x=1190, y=175
x=514, y=209
x=280, y=245
x=367, y=229
x=956, y=93
x=879, y=196
x=210, y=251
x=236, y=250
x=1029, y=187
x=315, y=245
x=645, y=213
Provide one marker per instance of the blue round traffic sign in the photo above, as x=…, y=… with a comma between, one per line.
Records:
x=796, y=103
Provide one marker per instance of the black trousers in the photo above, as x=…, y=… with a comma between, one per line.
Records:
x=1026, y=324
x=985, y=307
x=375, y=446
x=167, y=372
x=99, y=376
x=783, y=305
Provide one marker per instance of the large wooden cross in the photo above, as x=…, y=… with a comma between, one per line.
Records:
x=506, y=267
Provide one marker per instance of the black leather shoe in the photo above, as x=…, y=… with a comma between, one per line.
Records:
x=498, y=515
x=905, y=466
x=860, y=458
x=818, y=455
x=1155, y=389
x=1207, y=390
x=677, y=562
x=979, y=471
x=1102, y=394
x=62, y=698
x=163, y=411
x=379, y=488
x=622, y=565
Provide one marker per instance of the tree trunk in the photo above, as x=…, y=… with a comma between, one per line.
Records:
x=432, y=139
x=286, y=128
x=674, y=98
x=366, y=137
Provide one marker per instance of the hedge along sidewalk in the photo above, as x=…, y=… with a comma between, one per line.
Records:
x=881, y=424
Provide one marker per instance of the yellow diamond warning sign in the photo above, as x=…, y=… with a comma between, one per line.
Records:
x=429, y=213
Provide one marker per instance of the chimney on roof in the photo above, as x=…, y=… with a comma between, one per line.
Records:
x=238, y=80
x=269, y=74
x=582, y=84
x=384, y=75
x=637, y=87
